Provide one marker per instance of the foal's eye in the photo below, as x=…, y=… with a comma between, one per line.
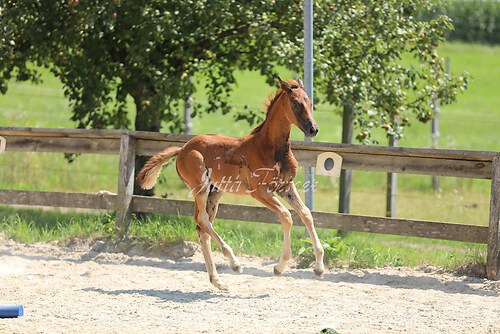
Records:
x=295, y=104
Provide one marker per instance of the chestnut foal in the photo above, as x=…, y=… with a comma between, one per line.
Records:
x=259, y=164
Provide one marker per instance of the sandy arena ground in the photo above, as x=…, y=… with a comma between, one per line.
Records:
x=80, y=288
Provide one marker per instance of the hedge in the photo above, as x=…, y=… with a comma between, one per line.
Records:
x=475, y=21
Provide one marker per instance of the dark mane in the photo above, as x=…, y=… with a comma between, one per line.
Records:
x=269, y=105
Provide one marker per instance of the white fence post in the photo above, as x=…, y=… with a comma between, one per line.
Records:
x=309, y=84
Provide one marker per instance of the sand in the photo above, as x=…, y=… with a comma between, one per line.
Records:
x=85, y=287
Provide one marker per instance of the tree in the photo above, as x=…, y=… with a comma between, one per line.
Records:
x=106, y=51
x=379, y=62
x=374, y=60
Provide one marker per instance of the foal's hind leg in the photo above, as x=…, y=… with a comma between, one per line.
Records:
x=212, y=206
x=209, y=260
x=213, y=199
x=205, y=231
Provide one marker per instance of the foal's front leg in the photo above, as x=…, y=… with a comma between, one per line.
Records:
x=272, y=203
x=292, y=197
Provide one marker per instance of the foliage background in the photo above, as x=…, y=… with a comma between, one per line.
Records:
x=476, y=21
x=377, y=60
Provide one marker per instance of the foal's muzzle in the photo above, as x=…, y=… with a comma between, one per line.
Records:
x=311, y=129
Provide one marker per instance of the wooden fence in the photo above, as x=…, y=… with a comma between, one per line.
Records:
x=128, y=144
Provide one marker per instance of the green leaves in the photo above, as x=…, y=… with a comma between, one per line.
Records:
x=105, y=51
x=376, y=57
x=383, y=61
x=334, y=247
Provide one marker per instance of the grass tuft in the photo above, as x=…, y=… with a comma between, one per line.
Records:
x=31, y=226
x=157, y=233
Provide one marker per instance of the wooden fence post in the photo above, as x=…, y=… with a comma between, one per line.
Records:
x=125, y=184
x=493, y=259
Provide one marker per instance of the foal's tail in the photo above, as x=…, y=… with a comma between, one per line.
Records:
x=151, y=170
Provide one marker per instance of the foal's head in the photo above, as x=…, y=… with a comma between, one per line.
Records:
x=298, y=107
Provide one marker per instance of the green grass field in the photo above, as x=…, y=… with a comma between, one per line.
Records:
x=472, y=123
x=357, y=250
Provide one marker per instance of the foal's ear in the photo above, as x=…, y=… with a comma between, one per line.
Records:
x=284, y=85
x=301, y=84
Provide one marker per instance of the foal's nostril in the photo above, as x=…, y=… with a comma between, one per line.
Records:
x=313, y=130
x=310, y=128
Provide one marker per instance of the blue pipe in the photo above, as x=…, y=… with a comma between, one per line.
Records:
x=11, y=311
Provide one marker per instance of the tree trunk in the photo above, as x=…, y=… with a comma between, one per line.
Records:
x=346, y=175
x=147, y=118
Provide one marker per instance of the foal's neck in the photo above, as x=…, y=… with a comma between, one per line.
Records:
x=275, y=132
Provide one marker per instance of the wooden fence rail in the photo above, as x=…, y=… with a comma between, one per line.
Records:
x=128, y=144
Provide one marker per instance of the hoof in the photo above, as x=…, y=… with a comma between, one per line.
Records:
x=319, y=272
x=237, y=269
x=236, y=266
x=219, y=284
x=277, y=272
